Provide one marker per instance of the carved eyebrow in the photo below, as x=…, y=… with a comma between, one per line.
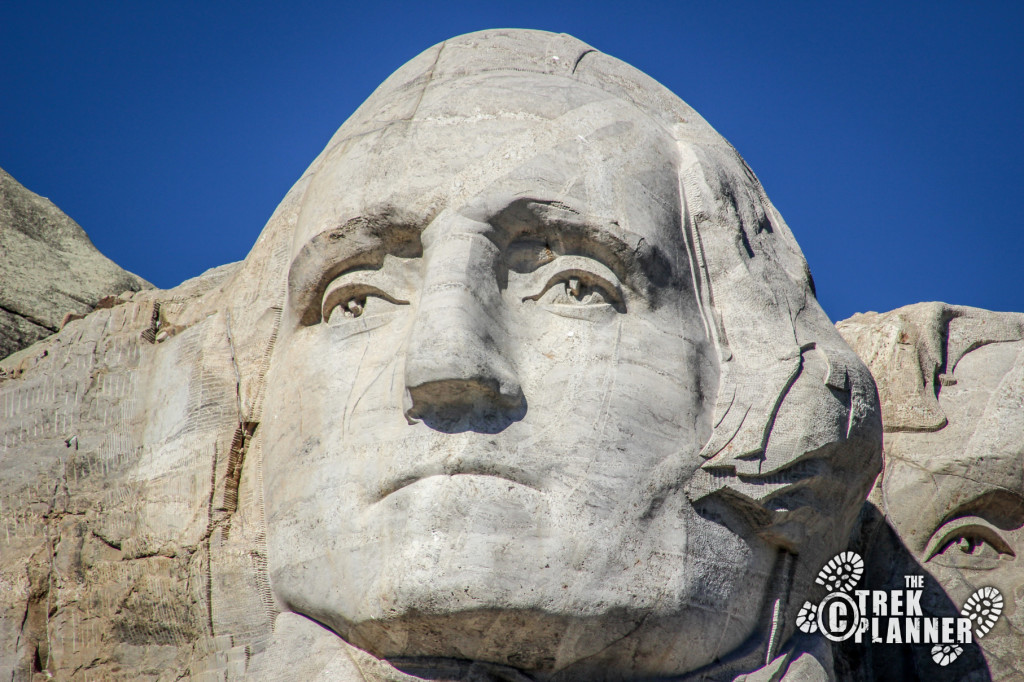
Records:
x=358, y=243
x=1002, y=508
x=600, y=238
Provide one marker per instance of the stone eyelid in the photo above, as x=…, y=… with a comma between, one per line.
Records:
x=576, y=271
x=972, y=525
x=350, y=291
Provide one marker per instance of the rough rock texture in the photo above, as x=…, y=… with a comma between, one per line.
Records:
x=48, y=268
x=107, y=452
x=950, y=502
x=524, y=380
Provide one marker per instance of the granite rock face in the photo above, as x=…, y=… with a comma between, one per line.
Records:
x=950, y=502
x=523, y=380
x=49, y=268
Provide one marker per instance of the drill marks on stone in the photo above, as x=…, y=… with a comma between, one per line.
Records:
x=100, y=387
x=239, y=556
x=259, y=526
x=175, y=437
x=34, y=410
x=256, y=413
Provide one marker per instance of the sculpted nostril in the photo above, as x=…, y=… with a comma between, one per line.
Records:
x=453, y=405
x=463, y=394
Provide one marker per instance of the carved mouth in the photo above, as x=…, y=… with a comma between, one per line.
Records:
x=489, y=469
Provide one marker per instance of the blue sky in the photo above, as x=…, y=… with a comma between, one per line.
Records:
x=889, y=137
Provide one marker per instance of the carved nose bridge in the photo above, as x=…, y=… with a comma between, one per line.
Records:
x=454, y=363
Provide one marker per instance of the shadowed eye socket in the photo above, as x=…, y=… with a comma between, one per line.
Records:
x=968, y=542
x=575, y=281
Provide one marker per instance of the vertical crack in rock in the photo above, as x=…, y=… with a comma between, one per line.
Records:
x=149, y=334
x=211, y=523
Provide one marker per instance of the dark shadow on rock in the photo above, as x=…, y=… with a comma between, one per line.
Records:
x=887, y=561
x=489, y=419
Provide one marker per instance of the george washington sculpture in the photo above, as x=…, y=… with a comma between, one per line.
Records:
x=524, y=379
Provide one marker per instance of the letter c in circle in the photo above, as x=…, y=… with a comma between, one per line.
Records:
x=838, y=616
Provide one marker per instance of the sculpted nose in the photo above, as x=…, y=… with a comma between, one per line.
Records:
x=456, y=373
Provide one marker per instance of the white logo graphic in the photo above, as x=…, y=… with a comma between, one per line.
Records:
x=895, y=615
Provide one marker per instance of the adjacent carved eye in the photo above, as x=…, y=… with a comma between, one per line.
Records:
x=572, y=289
x=969, y=543
x=574, y=281
x=346, y=301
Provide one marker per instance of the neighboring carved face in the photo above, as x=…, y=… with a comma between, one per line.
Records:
x=491, y=342
x=956, y=495
x=970, y=471
x=951, y=381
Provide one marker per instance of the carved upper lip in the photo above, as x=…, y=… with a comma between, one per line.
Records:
x=461, y=468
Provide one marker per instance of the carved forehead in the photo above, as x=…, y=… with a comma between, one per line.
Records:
x=561, y=72
x=497, y=134
x=951, y=380
x=525, y=53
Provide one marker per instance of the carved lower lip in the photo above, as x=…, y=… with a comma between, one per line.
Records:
x=504, y=473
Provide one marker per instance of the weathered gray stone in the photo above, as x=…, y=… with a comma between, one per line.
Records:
x=524, y=379
x=48, y=268
x=950, y=503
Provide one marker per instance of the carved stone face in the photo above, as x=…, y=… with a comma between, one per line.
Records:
x=491, y=341
x=951, y=381
x=974, y=523
x=956, y=495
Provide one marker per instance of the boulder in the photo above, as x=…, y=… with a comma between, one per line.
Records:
x=50, y=268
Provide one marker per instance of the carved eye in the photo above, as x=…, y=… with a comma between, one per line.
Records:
x=364, y=292
x=347, y=301
x=576, y=282
x=575, y=290
x=969, y=543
